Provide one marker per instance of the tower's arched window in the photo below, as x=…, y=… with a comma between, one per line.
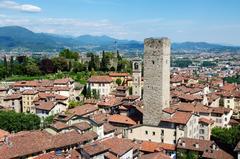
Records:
x=136, y=66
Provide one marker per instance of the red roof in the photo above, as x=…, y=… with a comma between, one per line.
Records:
x=83, y=110
x=110, y=102
x=100, y=79
x=228, y=87
x=62, y=81
x=117, y=74
x=32, y=142
x=149, y=146
x=179, y=118
x=13, y=97
x=156, y=155
x=26, y=84
x=118, y=146
x=3, y=133
x=121, y=119
x=45, y=105
x=206, y=121
x=94, y=149
x=52, y=155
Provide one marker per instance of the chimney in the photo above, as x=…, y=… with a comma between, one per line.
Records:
x=6, y=140
x=196, y=145
x=183, y=143
x=214, y=147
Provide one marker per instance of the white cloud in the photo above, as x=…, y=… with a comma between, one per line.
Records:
x=7, y=4
x=67, y=26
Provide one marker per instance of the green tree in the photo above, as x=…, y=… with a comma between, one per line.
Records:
x=32, y=68
x=230, y=136
x=78, y=67
x=119, y=81
x=182, y=63
x=93, y=63
x=67, y=54
x=183, y=154
x=208, y=64
x=5, y=63
x=15, y=122
x=73, y=104
x=105, y=62
x=60, y=64
x=48, y=121
x=3, y=72
x=120, y=65
x=130, y=90
x=221, y=102
x=88, y=93
x=11, y=66
x=112, y=69
x=46, y=66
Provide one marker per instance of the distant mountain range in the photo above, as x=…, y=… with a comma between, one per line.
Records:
x=19, y=38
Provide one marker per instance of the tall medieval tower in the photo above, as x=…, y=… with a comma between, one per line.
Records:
x=156, y=94
x=137, y=77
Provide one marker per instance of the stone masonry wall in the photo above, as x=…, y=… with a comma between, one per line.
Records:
x=156, y=92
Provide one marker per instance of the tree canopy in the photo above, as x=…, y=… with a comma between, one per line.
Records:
x=66, y=53
x=230, y=136
x=15, y=122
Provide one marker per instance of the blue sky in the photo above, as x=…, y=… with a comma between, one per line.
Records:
x=216, y=21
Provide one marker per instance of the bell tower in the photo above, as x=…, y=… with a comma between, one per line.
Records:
x=137, y=77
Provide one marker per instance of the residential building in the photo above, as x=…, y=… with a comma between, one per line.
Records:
x=28, y=97
x=101, y=84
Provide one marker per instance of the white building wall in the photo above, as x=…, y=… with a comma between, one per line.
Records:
x=128, y=155
x=229, y=103
x=103, y=88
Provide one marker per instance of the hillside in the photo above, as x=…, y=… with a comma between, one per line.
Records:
x=15, y=37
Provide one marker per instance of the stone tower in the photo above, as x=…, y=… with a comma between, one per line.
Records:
x=137, y=77
x=156, y=94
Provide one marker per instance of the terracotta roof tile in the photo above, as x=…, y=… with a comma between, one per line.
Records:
x=110, y=102
x=83, y=126
x=83, y=110
x=206, y=121
x=121, y=119
x=3, y=133
x=59, y=125
x=94, y=149
x=118, y=146
x=13, y=96
x=108, y=128
x=62, y=81
x=156, y=155
x=45, y=105
x=30, y=92
x=100, y=79
x=72, y=154
x=117, y=74
x=179, y=118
